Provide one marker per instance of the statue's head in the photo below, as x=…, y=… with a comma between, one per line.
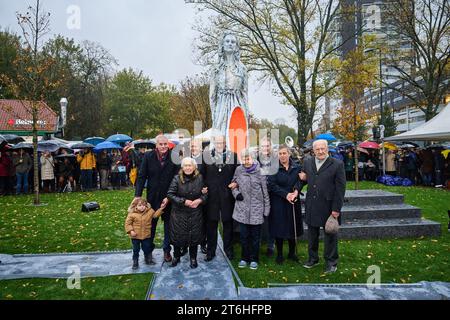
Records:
x=229, y=45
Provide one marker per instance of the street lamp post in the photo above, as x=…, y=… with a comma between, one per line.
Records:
x=63, y=102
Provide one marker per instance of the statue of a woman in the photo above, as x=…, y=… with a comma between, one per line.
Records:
x=229, y=83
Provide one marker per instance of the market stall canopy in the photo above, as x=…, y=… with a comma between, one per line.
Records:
x=436, y=129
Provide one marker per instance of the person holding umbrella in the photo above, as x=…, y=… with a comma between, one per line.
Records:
x=23, y=164
x=87, y=162
x=285, y=219
x=47, y=171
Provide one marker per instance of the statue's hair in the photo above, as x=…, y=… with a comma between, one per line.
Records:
x=236, y=55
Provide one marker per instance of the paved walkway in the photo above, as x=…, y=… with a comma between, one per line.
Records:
x=210, y=281
x=418, y=291
x=93, y=264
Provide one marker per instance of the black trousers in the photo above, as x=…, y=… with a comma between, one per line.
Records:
x=330, y=241
x=211, y=234
x=192, y=252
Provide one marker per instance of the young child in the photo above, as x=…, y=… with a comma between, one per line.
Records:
x=138, y=225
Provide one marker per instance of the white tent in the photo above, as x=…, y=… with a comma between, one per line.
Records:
x=436, y=129
x=207, y=135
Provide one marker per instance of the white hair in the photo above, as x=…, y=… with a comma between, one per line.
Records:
x=161, y=137
x=189, y=160
x=325, y=142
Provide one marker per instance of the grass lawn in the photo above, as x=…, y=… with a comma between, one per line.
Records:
x=60, y=226
x=399, y=260
x=126, y=287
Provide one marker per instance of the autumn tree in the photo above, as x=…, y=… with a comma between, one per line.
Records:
x=135, y=107
x=29, y=82
x=191, y=103
x=357, y=74
x=425, y=73
x=289, y=43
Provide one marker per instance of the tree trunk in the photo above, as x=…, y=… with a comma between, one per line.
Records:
x=35, y=156
x=356, y=167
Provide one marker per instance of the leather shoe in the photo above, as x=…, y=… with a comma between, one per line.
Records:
x=149, y=259
x=279, y=260
x=209, y=257
x=204, y=249
x=194, y=263
x=175, y=261
x=167, y=257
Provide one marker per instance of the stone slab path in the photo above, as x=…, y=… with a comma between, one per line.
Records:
x=95, y=264
x=212, y=280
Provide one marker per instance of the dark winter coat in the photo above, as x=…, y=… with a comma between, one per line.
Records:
x=158, y=178
x=281, y=218
x=218, y=176
x=326, y=190
x=186, y=224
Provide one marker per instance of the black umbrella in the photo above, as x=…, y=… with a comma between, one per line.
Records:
x=149, y=144
x=50, y=146
x=13, y=138
x=23, y=145
x=67, y=155
x=436, y=146
x=82, y=145
x=3, y=141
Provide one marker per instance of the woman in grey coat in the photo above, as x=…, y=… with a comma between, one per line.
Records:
x=252, y=204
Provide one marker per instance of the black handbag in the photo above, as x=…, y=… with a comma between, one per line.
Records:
x=90, y=206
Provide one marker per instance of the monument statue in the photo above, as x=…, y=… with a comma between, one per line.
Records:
x=229, y=84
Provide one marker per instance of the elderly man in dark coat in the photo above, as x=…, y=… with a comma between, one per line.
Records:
x=325, y=177
x=158, y=170
x=219, y=171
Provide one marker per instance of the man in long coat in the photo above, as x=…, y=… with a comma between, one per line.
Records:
x=158, y=169
x=219, y=174
x=325, y=177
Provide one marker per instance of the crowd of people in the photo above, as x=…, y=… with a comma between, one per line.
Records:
x=422, y=166
x=62, y=171
x=260, y=193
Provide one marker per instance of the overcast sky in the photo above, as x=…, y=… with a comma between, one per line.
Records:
x=154, y=36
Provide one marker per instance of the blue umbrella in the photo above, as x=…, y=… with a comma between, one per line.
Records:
x=119, y=138
x=326, y=136
x=308, y=143
x=106, y=146
x=94, y=140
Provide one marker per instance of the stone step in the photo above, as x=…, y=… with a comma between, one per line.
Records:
x=389, y=228
x=370, y=197
x=368, y=212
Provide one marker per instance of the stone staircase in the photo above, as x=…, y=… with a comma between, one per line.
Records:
x=377, y=214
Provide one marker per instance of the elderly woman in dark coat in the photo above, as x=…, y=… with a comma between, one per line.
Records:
x=186, y=217
x=284, y=188
x=252, y=204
